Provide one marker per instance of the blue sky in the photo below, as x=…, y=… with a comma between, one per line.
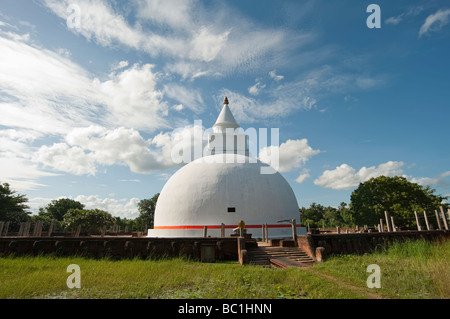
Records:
x=92, y=110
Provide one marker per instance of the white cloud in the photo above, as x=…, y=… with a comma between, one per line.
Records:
x=276, y=77
x=394, y=20
x=412, y=11
x=120, y=65
x=190, y=70
x=21, y=173
x=99, y=22
x=132, y=98
x=302, y=177
x=281, y=102
x=205, y=46
x=283, y=99
x=87, y=148
x=435, y=22
x=176, y=14
x=292, y=154
x=123, y=208
x=194, y=34
x=26, y=103
x=16, y=164
x=178, y=107
x=37, y=202
x=16, y=141
x=440, y=180
x=64, y=52
x=187, y=97
x=65, y=158
x=256, y=89
x=129, y=96
x=249, y=49
x=120, y=146
x=40, y=96
x=346, y=177
x=180, y=146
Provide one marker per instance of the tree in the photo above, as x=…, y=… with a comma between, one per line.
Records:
x=393, y=194
x=123, y=223
x=314, y=215
x=13, y=207
x=56, y=209
x=317, y=216
x=46, y=221
x=91, y=220
x=346, y=215
x=332, y=217
x=146, y=209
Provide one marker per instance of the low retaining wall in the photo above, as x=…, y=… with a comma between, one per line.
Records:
x=206, y=249
x=317, y=246
x=360, y=242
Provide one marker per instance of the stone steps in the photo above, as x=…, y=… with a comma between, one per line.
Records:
x=279, y=256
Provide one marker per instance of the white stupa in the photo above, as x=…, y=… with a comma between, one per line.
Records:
x=225, y=187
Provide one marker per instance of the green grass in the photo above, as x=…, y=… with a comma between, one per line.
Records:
x=408, y=270
x=45, y=277
x=412, y=269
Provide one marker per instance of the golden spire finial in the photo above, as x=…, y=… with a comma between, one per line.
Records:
x=225, y=101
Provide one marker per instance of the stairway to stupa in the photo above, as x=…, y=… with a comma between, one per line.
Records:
x=283, y=257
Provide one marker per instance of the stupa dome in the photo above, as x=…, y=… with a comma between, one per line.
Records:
x=225, y=188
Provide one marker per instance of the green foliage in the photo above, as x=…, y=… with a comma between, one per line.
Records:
x=59, y=207
x=124, y=223
x=91, y=220
x=146, y=209
x=94, y=219
x=46, y=221
x=393, y=194
x=417, y=249
x=317, y=216
x=13, y=207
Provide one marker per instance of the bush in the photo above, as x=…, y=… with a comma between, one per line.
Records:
x=91, y=220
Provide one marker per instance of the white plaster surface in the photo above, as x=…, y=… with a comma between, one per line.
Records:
x=200, y=193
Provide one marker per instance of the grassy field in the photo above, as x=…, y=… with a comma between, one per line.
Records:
x=409, y=270
x=416, y=269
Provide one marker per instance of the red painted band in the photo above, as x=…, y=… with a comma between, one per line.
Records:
x=219, y=227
